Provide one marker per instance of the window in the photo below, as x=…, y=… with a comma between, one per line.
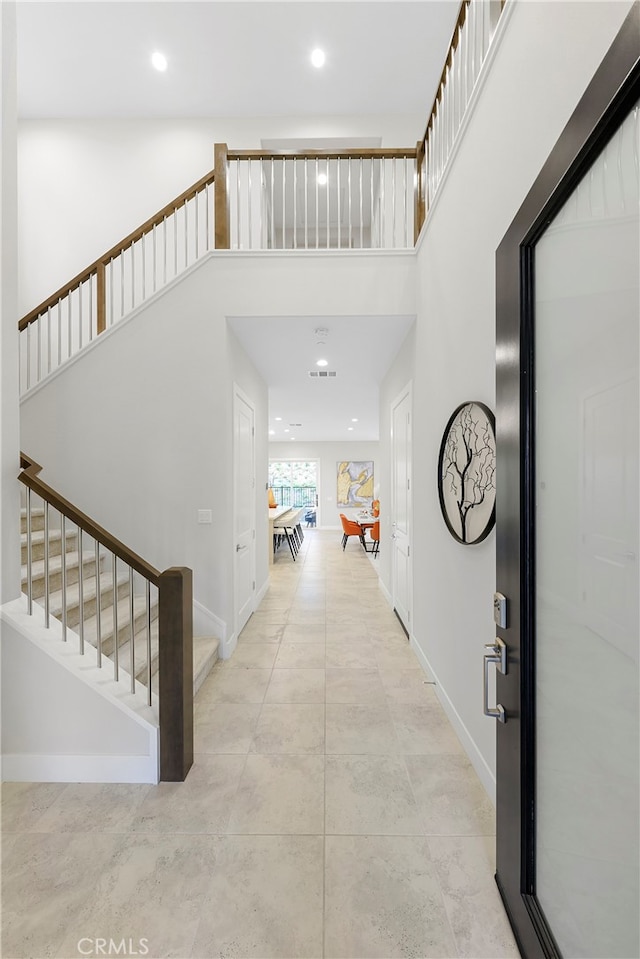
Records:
x=294, y=483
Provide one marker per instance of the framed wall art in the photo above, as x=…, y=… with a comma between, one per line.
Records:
x=466, y=473
x=355, y=483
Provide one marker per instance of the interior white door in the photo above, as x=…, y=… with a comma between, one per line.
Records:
x=401, y=506
x=244, y=507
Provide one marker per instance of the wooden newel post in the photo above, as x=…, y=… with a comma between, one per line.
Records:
x=221, y=201
x=176, y=673
x=101, y=298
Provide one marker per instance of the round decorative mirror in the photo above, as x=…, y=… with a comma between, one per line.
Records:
x=466, y=473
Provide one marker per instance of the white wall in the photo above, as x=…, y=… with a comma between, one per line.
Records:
x=328, y=456
x=137, y=429
x=9, y=410
x=85, y=184
x=548, y=53
x=63, y=719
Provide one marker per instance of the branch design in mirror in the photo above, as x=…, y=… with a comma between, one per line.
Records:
x=466, y=473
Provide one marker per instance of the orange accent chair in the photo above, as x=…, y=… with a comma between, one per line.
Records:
x=375, y=507
x=374, y=533
x=350, y=528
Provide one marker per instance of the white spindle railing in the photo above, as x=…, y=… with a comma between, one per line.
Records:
x=469, y=46
x=321, y=201
x=119, y=282
x=103, y=604
x=148, y=263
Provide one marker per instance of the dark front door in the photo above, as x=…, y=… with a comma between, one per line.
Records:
x=567, y=424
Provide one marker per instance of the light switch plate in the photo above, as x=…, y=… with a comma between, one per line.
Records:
x=205, y=516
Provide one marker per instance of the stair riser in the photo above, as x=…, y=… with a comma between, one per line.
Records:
x=37, y=521
x=124, y=633
x=55, y=547
x=140, y=655
x=123, y=645
x=90, y=605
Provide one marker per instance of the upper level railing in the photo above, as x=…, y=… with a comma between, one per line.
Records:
x=266, y=200
x=472, y=36
x=116, y=283
x=109, y=597
x=314, y=199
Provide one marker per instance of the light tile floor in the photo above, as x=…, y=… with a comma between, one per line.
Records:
x=331, y=810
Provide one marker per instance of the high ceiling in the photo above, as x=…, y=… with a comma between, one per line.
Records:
x=251, y=59
x=92, y=59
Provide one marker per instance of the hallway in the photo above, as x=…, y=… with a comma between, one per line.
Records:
x=331, y=810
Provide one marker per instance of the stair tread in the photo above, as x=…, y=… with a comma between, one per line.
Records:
x=55, y=564
x=88, y=592
x=106, y=615
x=37, y=535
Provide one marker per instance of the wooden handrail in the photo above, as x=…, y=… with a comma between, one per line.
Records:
x=29, y=476
x=373, y=153
x=103, y=260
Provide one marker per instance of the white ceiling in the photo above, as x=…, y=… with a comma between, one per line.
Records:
x=234, y=58
x=251, y=59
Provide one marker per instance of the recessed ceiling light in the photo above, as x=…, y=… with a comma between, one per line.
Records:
x=278, y=419
x=159, y=61
x=322, y=179
x=292, y=437
x=322, y=362
x=287, y=431
x=354, y=419
x=272, y=432
x=318, y=57
x=349, y=427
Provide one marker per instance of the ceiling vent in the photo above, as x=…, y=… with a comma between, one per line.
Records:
x=322, y=374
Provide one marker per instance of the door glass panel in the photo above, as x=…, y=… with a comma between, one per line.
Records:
x=587, y=297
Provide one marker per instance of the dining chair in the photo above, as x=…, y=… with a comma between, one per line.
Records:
x=284, y=528
x=350, y=528
x=374, y=533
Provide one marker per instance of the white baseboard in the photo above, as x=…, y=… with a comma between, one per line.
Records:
x=206, y=623
x=227, y=646
x=485, y=774
x=261, y=593
x=385, y=592
x=76, y=769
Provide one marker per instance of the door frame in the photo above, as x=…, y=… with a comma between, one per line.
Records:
x=239, y=394
x=608, y=99
x=407, y=390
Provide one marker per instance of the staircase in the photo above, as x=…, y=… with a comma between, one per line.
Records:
x=205, y=648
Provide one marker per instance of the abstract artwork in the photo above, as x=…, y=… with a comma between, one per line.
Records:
x=355, y=483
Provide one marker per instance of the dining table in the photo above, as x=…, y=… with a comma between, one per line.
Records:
x=366, y=520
